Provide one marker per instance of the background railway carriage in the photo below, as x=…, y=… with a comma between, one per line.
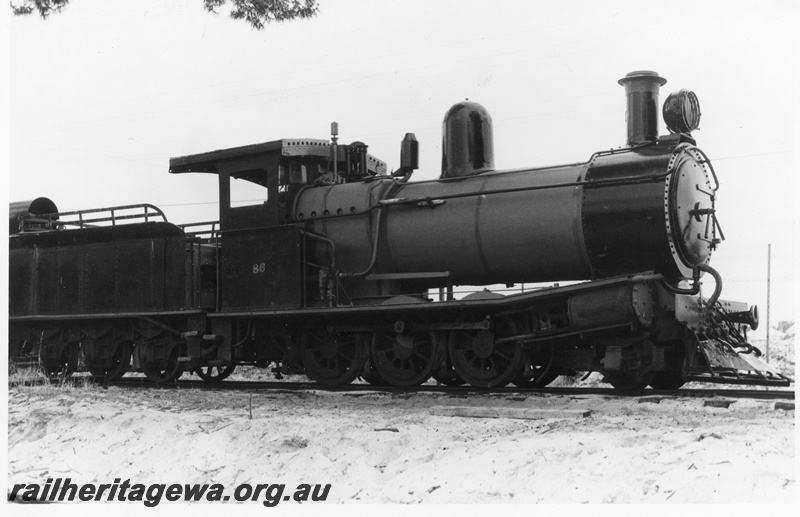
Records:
x=341, y=270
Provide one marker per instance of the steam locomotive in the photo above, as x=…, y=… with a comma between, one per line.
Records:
x=342, y=270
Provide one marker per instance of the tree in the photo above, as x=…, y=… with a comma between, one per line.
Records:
x=259, y=12
x=256, y=12
x=44, y=7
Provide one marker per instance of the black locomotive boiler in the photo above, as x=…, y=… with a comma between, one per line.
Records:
x=342, y=270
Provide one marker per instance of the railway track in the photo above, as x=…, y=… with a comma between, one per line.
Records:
x=284, y=386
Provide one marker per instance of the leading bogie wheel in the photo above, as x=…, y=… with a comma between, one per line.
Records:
x=629, y=383
x=538, y=370
x=667, y=381
x=215, y=373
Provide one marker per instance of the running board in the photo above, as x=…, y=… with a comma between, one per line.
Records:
x=725, y=365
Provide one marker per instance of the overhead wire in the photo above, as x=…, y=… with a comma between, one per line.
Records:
x=339, y=64
x=348, y=84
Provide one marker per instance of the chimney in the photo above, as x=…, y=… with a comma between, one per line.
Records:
x=641, y=89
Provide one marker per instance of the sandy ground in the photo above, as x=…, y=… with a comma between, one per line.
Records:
x=374, y=447
x=380, y=448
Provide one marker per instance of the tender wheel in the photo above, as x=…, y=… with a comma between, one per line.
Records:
x=170, y=371
x=96, y=370
x=405, y=359
x=538, y=370
x=215, y=373
x=481, y=360
x=67, y=363
x=24, y=352
x=667, y=381
x=118, y=364
x=332, y=359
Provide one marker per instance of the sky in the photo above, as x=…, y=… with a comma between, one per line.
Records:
x=100, y=96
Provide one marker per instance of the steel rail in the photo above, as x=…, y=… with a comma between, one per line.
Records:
x=284, y=386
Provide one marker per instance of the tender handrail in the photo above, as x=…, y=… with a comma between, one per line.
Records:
x=79, y=219
x=208, y=229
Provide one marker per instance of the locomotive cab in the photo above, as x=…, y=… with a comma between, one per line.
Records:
x=263, y=260
x=281, y=168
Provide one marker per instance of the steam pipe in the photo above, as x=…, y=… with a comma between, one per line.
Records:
x=717, y=283
x=695, y=288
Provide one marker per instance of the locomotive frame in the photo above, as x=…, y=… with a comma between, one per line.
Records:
x=335, y=273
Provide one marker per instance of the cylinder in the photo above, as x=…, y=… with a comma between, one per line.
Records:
x=631, y=304
x=467, y=144
x=641, y=90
